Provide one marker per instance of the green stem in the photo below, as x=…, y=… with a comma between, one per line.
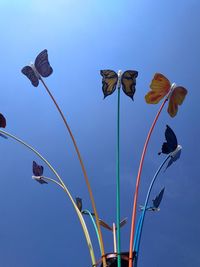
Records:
x=118, y=181
x=81, y=219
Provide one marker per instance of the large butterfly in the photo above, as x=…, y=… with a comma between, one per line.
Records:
x=38, y=172
x=41, y=67
x=160, y=87
x=110, y=80
x=171, y=144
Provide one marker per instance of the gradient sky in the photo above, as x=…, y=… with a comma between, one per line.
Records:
x=38, y=226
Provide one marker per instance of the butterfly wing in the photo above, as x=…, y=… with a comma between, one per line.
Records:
x=30, y=74
x=2, y=121
x=158, y=199
x=177, y=97
x=105, y=225
x=109, y=81
x=40, y=180
x=171, y=143
x=128, y=82
x=160, y=86
x=173, y=159
x=42, y=64
x=37, y=169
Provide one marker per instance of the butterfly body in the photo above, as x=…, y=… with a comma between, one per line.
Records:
x=160, y=88
x=111, y=80
x=41, y=67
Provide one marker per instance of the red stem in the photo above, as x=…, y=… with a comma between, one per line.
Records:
x=138, y=183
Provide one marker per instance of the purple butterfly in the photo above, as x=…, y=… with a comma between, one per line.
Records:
x=41, y=67
x=38, y=172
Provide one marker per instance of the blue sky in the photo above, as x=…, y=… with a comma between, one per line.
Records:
x=38, y=224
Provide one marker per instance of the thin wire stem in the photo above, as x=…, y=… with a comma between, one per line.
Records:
x=84, y=172
x=94, y=224
x=138, y=183
x=118, y=182
x=81, y=219
x=145, y=206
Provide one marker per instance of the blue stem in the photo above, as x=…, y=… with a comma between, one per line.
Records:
x=140, y=228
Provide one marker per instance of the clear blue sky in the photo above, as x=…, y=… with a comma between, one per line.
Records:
x=38, y=226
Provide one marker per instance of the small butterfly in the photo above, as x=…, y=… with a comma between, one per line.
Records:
x=40, y=67
x=160, y=87
x=38, y=172
x=156, y=202
x=110, y=80
x=158, y=199
x=2, y=121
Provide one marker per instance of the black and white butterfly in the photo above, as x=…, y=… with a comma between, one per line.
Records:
x=41, y=67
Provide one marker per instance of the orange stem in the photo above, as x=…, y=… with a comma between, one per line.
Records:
x=84, y=173
x=138, y=183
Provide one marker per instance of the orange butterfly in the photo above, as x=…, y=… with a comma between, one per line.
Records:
x=161, y=87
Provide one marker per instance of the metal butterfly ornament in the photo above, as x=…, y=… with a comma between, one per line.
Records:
x=156, y=202
x=171, y=146
x=41, y=67
x=38, y=172
x=160, y=88
x=111, y=80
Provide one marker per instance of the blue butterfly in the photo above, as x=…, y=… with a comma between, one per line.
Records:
x=41, y=67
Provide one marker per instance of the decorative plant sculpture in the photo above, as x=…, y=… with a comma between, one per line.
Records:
x=160, y=88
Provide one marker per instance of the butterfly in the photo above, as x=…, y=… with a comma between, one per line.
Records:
x=38, y=172
x=171, y=146
x=110, y=80
x=160, y=87
x=41, y=67
x=158, y=199
x=156, y=202
x=2, y=121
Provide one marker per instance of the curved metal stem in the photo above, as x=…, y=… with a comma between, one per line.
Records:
x=81, y=219
x=83, y=169
x=140, y=228
x=138, y=183
x=94, y=224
